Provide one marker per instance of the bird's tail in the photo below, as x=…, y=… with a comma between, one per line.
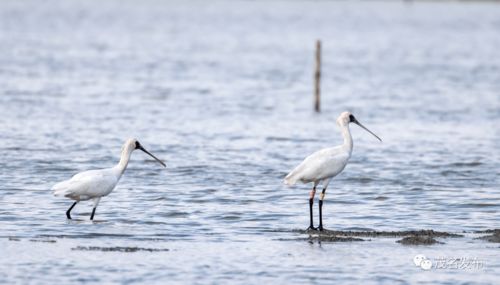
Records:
x=59, y=192
x=290, y=179
x=60, y=189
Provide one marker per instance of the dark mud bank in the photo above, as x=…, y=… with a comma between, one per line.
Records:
x=419, y=237
x=494, y=235
x=118, y=249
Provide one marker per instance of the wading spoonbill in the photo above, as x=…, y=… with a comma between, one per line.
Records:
x=323, y=165
x=95, y=184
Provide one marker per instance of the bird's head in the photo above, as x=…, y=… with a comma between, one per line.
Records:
x=346, y=117
x=133, y=144
x=130, y=145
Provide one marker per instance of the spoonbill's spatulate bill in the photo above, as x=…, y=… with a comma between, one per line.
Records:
x=94, y=184
x=323, y=165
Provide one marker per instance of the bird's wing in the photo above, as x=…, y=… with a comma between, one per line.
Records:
x=86, y=185
x=332, y=164
x=322, y=164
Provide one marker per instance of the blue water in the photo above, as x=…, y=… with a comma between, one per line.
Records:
x=222, y=91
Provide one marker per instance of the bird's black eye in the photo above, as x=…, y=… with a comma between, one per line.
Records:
x=137, y=145
x=351, y=118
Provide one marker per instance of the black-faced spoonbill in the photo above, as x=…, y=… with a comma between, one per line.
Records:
x=94, y=184
x=325, y=164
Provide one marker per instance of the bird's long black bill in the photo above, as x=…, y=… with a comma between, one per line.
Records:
x=150, y=154
x=366, y=129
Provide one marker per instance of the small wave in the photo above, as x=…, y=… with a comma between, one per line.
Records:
x=466, y=164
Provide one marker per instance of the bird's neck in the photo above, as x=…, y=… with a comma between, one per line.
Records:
x=346, y=134
x=124, y=158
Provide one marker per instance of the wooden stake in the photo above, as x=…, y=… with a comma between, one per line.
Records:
x=317, y=77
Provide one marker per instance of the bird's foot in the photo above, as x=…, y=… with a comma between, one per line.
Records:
x=311, y=228
x=320, y=228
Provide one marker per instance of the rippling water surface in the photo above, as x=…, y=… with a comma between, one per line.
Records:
x=222, y=92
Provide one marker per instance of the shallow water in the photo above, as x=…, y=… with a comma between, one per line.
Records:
x=222, y=92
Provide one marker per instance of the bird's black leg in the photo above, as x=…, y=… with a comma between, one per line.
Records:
x=321, y=197
x=96, y=202
x=93, y=212
x=311, y=202
x=68, y=212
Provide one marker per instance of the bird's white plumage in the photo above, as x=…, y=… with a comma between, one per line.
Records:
x=94, y=184
x=88, y=184
x=326, y=163
x=321, y=165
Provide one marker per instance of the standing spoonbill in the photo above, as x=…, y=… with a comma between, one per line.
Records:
x=95, y=184
x=323, y=165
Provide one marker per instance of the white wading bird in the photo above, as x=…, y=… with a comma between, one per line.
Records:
x=325, y=164
x=94, y=184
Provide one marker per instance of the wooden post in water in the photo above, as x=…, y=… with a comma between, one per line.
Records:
x=317, y=77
